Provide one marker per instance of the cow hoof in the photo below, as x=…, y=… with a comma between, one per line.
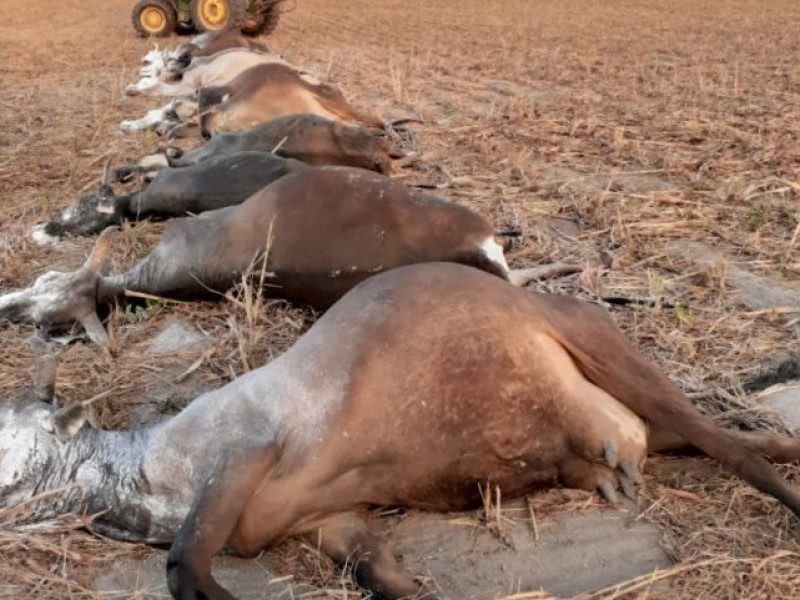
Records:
x=610, y=453
x=608, y=492
x=626, y=464
x=173, y=152
x=608, y=481
x=584, y=474
x=630, y=478
x=619, y=453
x=183, y=582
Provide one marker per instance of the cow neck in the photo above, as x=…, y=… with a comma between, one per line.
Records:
x=127, y=206
x=100, y=472
x=110, y=288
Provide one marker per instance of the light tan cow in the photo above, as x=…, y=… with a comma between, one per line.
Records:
x=269, y=91
x=217, y=69
x=208, y=44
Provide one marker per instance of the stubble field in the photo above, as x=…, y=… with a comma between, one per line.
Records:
x=619, y=134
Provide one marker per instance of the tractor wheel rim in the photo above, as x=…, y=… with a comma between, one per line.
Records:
x=214, y=13
x=152, y=19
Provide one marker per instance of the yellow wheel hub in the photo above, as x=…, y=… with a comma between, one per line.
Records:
x=153, y=19
x=214, y=13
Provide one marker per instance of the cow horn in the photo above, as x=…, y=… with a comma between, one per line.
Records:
x=106, y=173
x=15, y=306
x=46, y=366
x=97, y=258
x=94, y=328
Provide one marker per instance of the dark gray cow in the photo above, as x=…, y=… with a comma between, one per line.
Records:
x=218, y=182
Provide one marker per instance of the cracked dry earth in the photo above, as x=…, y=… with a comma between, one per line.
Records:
x=663, y=135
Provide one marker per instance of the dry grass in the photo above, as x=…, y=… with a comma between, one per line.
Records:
x=640, y=122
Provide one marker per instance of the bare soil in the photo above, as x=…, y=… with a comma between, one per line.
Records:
x=612, y=129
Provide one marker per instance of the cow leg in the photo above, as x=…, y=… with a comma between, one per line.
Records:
x=182, y=130
x=148, y=166
x=210, y=522
x=152, y=119
x=175, y=90
x=605, y=442
x=347, y=540
x=779, y=448
x=616, y=466
x=145, y=84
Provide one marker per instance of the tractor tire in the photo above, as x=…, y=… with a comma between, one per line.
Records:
x=262, y=23
x=218, y=15
x=154, y=18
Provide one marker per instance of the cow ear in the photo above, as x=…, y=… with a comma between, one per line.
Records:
x=45, y=370
x=97, y=258
x=105, y=178
x=66, y=422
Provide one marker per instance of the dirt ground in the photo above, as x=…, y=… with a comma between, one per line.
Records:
x=623, y=129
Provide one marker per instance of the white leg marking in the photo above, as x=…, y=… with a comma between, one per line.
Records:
x=145, y=84
x=39, y=236
x=176, y=90
x=494, y=252
x=151, y=120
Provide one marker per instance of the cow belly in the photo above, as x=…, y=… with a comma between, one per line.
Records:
x=437, y=418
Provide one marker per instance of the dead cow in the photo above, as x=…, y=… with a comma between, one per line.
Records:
x=218, y=69
x=313, y=139
x=208, y=44
x=268, y=91
x=223, y=181
x=331, y=228
x=309, y=138
x=418, y=387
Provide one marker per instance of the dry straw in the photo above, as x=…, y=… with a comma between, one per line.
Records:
x=612, y=127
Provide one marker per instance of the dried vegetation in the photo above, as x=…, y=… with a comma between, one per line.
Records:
x=597, y=129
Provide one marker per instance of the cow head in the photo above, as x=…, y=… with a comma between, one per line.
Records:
x=209, y=100
x=373, y=152
x=33, y=432
x=153, y=62
x=57, y=300
x=88, y=216
x=180, y=58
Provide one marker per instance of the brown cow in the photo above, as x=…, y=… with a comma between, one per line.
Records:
x=418, y=387
x=325, y=228
x=313, y=139
x=268, y=91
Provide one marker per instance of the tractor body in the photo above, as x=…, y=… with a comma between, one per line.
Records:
x=159, y=18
